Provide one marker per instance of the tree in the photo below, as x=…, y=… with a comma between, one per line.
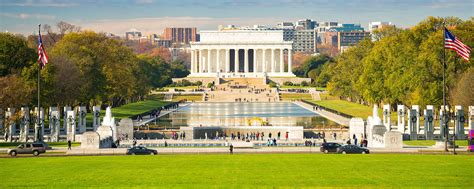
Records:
x=464, y=90
x=14, y=54
x=15, y=91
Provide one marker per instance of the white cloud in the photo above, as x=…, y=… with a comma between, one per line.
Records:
x=41, y=3
x=25, y=16
x=144, y=1
x=156, y=25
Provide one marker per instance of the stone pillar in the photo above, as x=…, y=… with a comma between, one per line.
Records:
x=81, y=121
x=227, y=60
x=429, y=127
x=442, y=129
x=218, y=60
x=246, y=60
x=236, y=62
x=10, y=124
x=2, y=117
x=254, y=61
x=471, y=117
x=96, y=117
x=264, y=61
x=414, y=122
x=273, y=61
x=39, y=124
x=289, y=61
x=282, y=64
x=71, y=125
x=192, y=61
x=459, y=126
x=386, y=116
x=65, y=110
x=401, y=118
x=201, y=60
x=24, y=124
x=54, y=118
x=209, y=51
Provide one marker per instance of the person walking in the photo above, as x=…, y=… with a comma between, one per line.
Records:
x=278, y=135
x=231, y=149
x=286, y=135
x=69, y=145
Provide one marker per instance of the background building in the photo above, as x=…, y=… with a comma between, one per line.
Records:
x=133, y=34
x=347, y=39
x=180, y=35
x=378, y=25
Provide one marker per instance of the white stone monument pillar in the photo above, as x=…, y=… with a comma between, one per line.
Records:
x=459, y=123
x=65, y=110
x=96, y=117
x=192, y=61
x=386, y=116
x=401, y=118
x=236, y=60
x=471, y=117
x=289, y=61
x=39, y=129
x=227, y=60
x=264, y=60
x=81, y=119
x=414, y=123
x=282, y=65
x=209, y=51
x=254, y=63
x=429, y=127
x=110, y=121
x=273, y=61
x=54, y=123
x=2, y=117
x=10, y=124
x=246, y=60
x=218, y=65
x=442, y=129
x=201, y=60
x=71, y=125
x=24, y=124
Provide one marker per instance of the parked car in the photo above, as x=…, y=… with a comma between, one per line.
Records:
x=352, y=149
x=140, y=150
x=329, y=147
x=28, y=148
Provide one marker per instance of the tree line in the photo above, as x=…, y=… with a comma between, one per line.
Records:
x=84, y=67
x=400, y=66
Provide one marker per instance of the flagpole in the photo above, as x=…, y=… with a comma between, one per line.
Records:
x=445, y=113
x=38, y=121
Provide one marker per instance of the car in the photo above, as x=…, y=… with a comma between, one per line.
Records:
x=28, y=148
x=329, y=147
x=140, y=150
x=352, y=149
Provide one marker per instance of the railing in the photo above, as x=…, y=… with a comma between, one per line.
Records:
x=157, y=109
x=328, y=109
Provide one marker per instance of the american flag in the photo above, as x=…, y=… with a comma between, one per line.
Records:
x=42, y=57
x=452, y=42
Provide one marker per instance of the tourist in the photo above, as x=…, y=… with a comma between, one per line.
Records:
x=134, y=142
x=231, y=148
x=348, y=141
x=334, y=136
x=270, y=135
x=355, y=141
x=269, y=142
x=263, y=135
x=69, y=145
x=258, y=134
x=278, y=135
x=274, y=142
x=286, y=135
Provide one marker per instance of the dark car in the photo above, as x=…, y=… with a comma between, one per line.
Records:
x=140, y=150
x=352, y=149
x=329, y=147
x=28, y=148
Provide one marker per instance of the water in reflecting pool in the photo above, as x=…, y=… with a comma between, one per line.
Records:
x=244, y=114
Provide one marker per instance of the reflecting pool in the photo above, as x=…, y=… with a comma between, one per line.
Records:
x=244, y=114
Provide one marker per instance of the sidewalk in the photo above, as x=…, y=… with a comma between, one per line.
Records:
x=149, y=118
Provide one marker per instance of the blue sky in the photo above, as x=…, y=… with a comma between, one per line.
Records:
x=151, y=16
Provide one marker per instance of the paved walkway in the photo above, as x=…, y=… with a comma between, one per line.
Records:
x=149, y=118
x=328, y=115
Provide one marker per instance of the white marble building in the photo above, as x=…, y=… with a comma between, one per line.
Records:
x=241, y=53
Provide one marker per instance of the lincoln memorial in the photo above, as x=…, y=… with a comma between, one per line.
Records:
x=241, y=53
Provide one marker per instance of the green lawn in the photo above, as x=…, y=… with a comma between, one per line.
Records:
x=140, y=107
x=295, y=96
x=354, y=109
x=240, y=171
x=430, y=142
x=302, y=87
x=186, y=87
x=189, y=97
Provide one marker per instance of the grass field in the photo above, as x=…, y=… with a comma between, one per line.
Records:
x=302, y=87
x=295, y=96
x=189, y=97
x=240, y=171
x=140, y=107
x=430, y=142
x=351, y=108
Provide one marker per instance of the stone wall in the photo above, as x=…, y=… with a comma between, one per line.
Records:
x=294, y=80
